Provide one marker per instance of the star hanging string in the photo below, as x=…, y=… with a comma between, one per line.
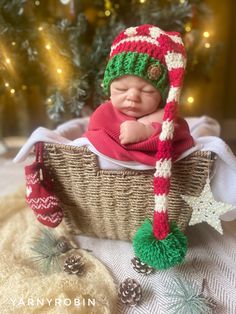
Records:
x=206, y=208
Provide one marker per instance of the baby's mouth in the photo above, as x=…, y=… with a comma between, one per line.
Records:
x=131, y=106
x=131, y=111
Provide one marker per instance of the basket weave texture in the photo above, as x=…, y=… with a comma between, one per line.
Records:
x=114, y=203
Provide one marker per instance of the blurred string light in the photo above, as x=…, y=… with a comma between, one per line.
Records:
x=65, y=2
x=37, y=2
x=206, y=34
x=207, y=45
x=188, y=27
x=142, y=1
x=7, y=84
x=107, y=13
x=182, y=1
x=48, y=46
x=40, y=28
x=190, y=99
x=12, y=91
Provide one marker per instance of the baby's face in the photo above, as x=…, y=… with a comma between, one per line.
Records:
x=134, y=96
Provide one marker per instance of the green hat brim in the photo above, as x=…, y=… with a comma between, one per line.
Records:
x=138, y=64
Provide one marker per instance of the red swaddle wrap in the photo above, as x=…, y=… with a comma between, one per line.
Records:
x=104, y=130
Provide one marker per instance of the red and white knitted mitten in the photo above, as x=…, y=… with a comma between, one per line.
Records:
x=39, y=192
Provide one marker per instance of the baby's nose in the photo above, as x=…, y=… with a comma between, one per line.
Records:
x=133, y=94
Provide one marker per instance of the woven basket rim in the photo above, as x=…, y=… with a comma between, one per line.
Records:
x=74, y=148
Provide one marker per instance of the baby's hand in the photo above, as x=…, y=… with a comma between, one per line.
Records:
x=134, y=131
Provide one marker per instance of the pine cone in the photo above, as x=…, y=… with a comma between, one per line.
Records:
x=130, y=292
x=63, y=245
x=74, y=265
x=141, y=267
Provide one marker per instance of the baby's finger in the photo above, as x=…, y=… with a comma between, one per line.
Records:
x=122, y=127
x=121, y=137
x=124, y=141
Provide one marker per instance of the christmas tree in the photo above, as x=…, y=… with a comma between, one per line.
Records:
x=61, y=47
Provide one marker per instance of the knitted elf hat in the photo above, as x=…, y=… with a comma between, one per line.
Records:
x=158, y=57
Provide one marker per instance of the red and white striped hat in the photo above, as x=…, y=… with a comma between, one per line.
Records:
x=158, y=57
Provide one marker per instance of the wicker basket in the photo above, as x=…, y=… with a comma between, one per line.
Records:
x=113, y=203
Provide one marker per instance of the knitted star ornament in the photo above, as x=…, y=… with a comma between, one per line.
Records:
x=39, y=192
x=158, y=57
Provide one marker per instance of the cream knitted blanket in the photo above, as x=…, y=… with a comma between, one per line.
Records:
x=25, y=289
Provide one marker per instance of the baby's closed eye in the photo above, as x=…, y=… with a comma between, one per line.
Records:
x=148, y=91
x=121, y=89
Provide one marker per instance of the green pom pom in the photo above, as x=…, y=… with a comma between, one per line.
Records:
x=159, y=254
